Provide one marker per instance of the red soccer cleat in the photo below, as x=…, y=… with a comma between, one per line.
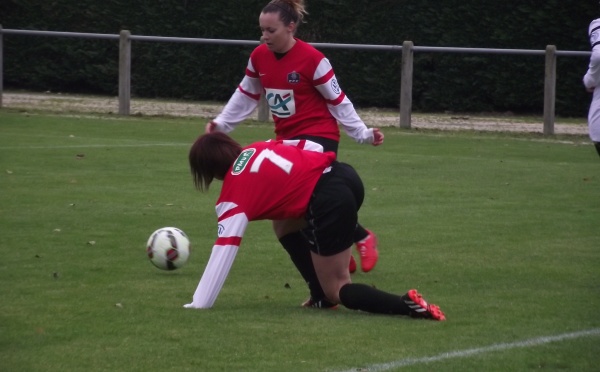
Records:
x=367, y=248
x=419, y=308
x=352, y=266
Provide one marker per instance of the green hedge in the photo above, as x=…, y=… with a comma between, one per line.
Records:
x=442, y=81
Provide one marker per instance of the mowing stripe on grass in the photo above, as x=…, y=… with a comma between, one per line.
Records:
x=480, y=350
x=92, y=146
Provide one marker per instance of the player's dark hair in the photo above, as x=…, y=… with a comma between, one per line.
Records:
x=289, y=10
x=211, y=156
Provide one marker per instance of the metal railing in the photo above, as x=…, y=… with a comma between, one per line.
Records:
x=407, y=50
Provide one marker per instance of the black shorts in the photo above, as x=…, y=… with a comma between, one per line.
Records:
x=328, y=144
x=332, y=213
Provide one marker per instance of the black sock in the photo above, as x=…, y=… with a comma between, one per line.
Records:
x=366, y=298
x=297, y=247
x=597, y=145
x=360, y=233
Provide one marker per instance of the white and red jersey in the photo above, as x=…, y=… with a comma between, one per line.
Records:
x=591, y=80
x=302, y=92
x=269, y=180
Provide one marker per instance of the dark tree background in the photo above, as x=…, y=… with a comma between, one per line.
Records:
x=442, y=81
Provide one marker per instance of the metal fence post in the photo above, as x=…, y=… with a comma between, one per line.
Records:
x=549, y=89
x=406, y=84
x=263, y=109
x=124, y=72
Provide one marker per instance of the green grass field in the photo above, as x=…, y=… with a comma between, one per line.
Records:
x=501, y=231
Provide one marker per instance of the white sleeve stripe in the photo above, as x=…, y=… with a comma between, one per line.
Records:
x=327, y=92
x=250, y=66
x=307, y=145
x=322, y=69
x=251, y=85
x=224, y=207
x=234, y=225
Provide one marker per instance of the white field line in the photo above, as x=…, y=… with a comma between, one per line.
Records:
x=480, y=350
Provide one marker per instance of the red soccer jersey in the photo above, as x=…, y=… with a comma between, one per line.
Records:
x=270, y=180
x=302, y=92
x=290, y=85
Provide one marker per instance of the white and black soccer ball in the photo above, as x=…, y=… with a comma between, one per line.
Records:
x=168, y=248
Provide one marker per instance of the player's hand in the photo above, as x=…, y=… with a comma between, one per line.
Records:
x=211, y=126
x=377, y=137
x=191, y=306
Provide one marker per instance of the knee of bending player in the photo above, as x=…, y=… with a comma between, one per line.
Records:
x=332, y=290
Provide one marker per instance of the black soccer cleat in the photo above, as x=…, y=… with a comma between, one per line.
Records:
x=320, y=304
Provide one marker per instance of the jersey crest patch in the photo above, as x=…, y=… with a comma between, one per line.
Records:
x=293, y=77
x=240, y=163
x=281, y=102
x=335, y=86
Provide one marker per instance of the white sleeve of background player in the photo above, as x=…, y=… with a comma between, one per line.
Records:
x=231, y=229
x=351, y=122
x=340, y=106
x=242, y=103
x=592, y=76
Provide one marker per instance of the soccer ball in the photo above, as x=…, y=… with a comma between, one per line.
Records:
x=168, y=248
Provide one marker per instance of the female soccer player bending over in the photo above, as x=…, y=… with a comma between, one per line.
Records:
x=281, y=180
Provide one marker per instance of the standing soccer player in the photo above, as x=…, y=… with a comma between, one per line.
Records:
x=591, y=80
x=306, y=102
x=281, y=180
